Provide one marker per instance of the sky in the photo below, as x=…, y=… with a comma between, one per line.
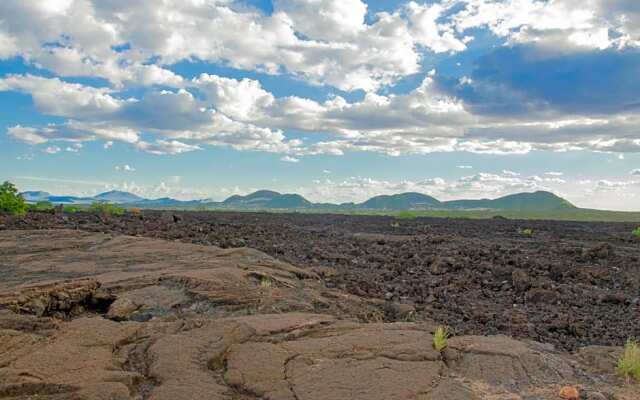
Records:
x=337, y=100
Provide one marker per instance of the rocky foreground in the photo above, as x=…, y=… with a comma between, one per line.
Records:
x=107, y=316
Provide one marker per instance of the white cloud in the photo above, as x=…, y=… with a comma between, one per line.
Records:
x=465, y=166
x=290, y=159
x=74, y=148
x=327, y=42
x=566, y=24
x=163, y=147
x=125, y=168
x=52, y=150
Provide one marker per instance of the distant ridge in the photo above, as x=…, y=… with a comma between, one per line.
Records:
x=268, y=199
x=402, y=201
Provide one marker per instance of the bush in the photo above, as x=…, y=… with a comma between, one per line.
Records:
x=10, y=201
x=636, y=232
x=71, y=209
x=525, y=232
x=106, y=208
x=42, y=206
x=629, y=363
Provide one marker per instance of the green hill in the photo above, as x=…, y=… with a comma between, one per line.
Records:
x=403, y=201
x=536, y=201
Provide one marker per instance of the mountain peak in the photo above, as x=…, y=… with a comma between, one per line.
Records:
x=402, y=201
x=117, y=196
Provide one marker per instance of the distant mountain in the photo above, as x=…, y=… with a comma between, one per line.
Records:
x=254, y=199
x=268, y=199
x=288, y=201
x=403, y=201
x=538, y=201
x=116, y=196
x=35, y=196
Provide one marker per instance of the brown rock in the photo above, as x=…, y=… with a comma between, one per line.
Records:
x=569, y=393
x=521, y=281
x=537, y=295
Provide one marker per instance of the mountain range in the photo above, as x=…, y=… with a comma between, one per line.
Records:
x=270, y=200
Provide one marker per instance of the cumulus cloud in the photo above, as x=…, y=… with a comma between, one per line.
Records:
x=518, y=80
x=568, y=24
x=515, y=100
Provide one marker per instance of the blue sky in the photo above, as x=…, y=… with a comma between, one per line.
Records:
x=338, y=100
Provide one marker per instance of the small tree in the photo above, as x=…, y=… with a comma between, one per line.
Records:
x=10, y=200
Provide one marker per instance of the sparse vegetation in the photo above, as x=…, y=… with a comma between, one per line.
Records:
x=10, y=200
x=629, y=364
x=440, y=338
x=266, y=283
x=41, y=206
x=71, y=209
x=406, y=215
x=106, y=208
x=636, y=232
x=525, y=232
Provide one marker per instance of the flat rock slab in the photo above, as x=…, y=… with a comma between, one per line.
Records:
x=97, y=316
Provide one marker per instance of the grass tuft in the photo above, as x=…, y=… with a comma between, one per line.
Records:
x=636, y=232
x=525, y=232
x=629, y=363
x=266, y=283
x=440, y=337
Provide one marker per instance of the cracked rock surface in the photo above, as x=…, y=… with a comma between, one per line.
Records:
x=102, y=316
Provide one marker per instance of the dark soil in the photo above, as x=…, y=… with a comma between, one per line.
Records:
x=567, y=283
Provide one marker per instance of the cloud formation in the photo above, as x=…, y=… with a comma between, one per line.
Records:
x=563, y=77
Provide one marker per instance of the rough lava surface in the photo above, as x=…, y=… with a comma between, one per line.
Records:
x=109, y=316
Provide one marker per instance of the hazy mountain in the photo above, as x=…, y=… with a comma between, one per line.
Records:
x=267, y=199
x=288, y=201
x=35, y=196
x=255, y=199
x=539, y=201
x=116, y=196
x=403, y=201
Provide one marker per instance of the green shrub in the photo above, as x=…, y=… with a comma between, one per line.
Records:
x=406, y=215
x=525, y=232
x=41, y=206
x=10, y=200
x=440, y=337
x=71, y=209
x=106, y=208
x=629, y=363
x=636, y=232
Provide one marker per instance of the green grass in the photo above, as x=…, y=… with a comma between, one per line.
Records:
x=41, y=206
x=629, y=364
x=106, y=208
x=585, y=215
x=440, y=337
x=266, y=283
x=525, y=232
x=406, y=215
x=636, y=232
